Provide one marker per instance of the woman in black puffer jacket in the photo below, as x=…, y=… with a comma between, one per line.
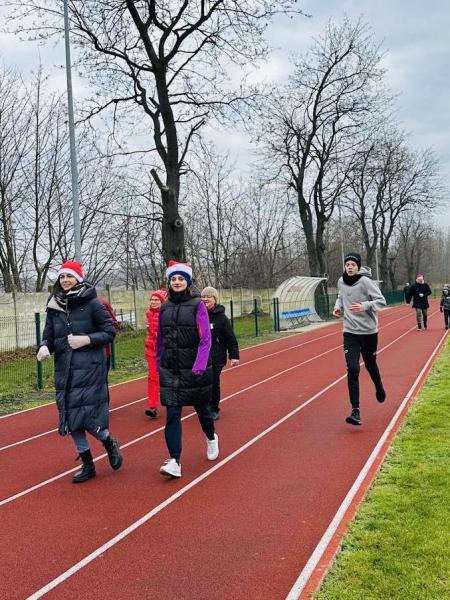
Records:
x=77, y=329
x=182, y=353
x=223, y=342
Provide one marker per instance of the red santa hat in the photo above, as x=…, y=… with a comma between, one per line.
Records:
x=160, y=294
x=179, y=268
x=72, y=267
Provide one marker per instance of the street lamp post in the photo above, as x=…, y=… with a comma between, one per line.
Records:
x=73, y=153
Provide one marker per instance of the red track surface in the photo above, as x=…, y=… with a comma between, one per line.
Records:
x=242, y=527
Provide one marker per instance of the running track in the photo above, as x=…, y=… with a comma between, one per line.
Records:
x=253, y=524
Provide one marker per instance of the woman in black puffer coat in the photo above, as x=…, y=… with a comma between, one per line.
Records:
x=183, y=345
x=223, y=342
x=77, y=329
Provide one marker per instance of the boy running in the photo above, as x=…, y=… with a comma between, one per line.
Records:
x=359, y=299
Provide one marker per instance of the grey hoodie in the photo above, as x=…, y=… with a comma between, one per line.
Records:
x=369, y=295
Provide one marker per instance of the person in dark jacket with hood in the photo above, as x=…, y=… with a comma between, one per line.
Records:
x=77, y=329
x=223, y=342
x=182, y=352
x=444, y=306
x=359, y=299
x=419, y=293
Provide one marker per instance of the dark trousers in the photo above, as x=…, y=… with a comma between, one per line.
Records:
x=215, y=395
x=354, y=347
x=172, y=431
x=422, y=312
x=446, y=318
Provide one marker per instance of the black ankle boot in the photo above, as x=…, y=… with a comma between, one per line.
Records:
x=354, y=418
x=87, y=470
x=380, y=394
x=112, y=447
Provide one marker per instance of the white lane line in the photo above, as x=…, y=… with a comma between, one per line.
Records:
x=34, y=437
x=25, y=410
x=39, y=435
x=145, y=518
x=317, y=554
x=225, y=370
x=155, y=431
x=292, y=335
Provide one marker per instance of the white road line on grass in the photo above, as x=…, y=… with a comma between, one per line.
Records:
x=145, y=518
x=155, y=431
x=315, y=557
x=38, y=435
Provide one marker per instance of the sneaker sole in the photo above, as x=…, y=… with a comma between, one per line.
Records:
x=166, y=474
x=351, y=421
x=84, y=480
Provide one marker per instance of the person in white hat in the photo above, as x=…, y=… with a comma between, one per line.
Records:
x=185, y=373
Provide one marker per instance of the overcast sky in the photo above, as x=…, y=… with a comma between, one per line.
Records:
x=415, y=36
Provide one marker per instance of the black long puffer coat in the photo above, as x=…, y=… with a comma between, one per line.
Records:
x=80, y=375
x=179, y=339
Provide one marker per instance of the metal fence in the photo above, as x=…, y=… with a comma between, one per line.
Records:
x=20, y=336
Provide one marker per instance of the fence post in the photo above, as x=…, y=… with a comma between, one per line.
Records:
x=231, y=314
x=278, y=314
x=274, y=305
x=255, y=310
x=39, y=379
x=16, y=322
x=135, y=306
x=108, y=292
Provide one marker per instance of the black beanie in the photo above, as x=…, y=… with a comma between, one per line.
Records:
x=353, y=256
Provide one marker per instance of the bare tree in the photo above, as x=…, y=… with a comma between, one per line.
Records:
x=14, y=149
x=213, y=212
x=170, y=59
x=309, y=126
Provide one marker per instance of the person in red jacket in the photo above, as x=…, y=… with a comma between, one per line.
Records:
x=156, y=299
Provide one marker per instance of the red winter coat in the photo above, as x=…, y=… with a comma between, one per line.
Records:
x=152, y=315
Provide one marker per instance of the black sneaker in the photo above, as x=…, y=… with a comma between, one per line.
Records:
x=354, y=418
x=151, y=412
x=381, y=395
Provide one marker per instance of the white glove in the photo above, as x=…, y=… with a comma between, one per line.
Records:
x=43, y=353
x=78, y=341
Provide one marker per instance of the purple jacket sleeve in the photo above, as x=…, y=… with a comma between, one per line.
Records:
x=204, y=346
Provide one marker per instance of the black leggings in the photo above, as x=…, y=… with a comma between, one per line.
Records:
x=172, y=431
x=446, y=318
x=354, y=347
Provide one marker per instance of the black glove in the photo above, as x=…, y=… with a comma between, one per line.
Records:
x=441, y=309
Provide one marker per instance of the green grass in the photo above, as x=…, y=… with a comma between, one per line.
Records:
x=18, y=370
x=398, y=546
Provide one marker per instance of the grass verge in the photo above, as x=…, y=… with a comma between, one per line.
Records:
x=18, y=381
x=398, y=546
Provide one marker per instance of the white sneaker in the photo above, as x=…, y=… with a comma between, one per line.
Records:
x=171, y=468
x=212, y=447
